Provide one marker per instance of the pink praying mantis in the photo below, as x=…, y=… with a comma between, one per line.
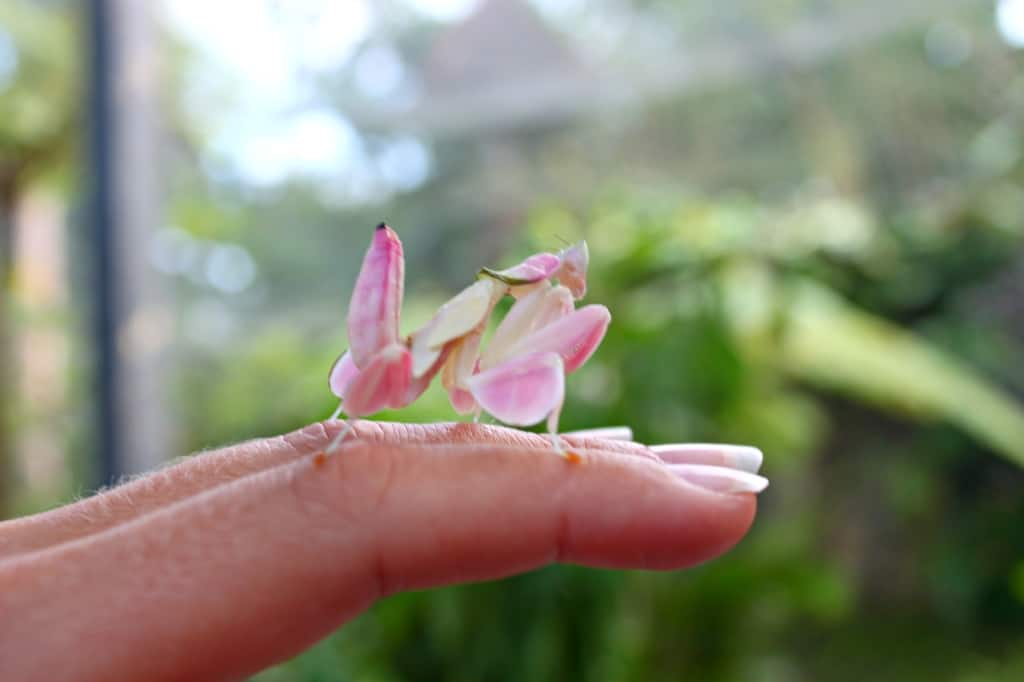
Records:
x=519, y=378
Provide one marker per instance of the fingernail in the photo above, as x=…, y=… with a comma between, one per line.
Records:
x=607, y=432
x=742, y=457
x=719, y=479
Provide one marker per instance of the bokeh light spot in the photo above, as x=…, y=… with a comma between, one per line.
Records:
x=1010, y=20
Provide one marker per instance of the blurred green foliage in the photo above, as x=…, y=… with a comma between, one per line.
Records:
x=39, y=92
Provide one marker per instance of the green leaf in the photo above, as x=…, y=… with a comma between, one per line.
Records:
x=832, y=344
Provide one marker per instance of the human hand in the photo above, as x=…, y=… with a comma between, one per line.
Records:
x=227, y=562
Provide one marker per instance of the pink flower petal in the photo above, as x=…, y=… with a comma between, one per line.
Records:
x=536, y=268
x=384, y=382
x=535, y=310
x=377, y=297
x=573, y=269
x=522, y=391
x=574, y=337
x=343, y=371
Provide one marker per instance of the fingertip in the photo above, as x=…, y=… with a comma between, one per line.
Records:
x=733, y=525
x=635, y=513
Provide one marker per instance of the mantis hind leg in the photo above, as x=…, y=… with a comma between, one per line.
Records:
x=557, y=443
x=336, y=441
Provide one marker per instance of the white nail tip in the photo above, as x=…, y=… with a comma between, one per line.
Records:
x=607, y=432
x=720, y=479
x=742, y=457
x=746, y=458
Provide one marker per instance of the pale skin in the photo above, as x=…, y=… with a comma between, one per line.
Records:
x=225, y=563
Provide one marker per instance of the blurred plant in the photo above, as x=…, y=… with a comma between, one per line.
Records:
x=37, y=133
x=38, y=93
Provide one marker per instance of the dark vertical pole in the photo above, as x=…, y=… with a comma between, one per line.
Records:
x=103, y=234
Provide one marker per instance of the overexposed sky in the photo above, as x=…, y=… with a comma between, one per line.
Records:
x=1010, y=19
x=258, y=56
x=251, y=91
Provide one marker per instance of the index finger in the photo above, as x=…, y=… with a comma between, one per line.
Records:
x=195, y=474
x=251, y=572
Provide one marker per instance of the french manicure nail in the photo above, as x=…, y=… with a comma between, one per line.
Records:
x=742, y=457
x=719, y=479
x=607, y=432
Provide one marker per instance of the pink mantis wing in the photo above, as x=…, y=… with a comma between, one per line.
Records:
x=466, y=312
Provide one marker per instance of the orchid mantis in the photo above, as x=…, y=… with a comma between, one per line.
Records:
x=519, y=378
